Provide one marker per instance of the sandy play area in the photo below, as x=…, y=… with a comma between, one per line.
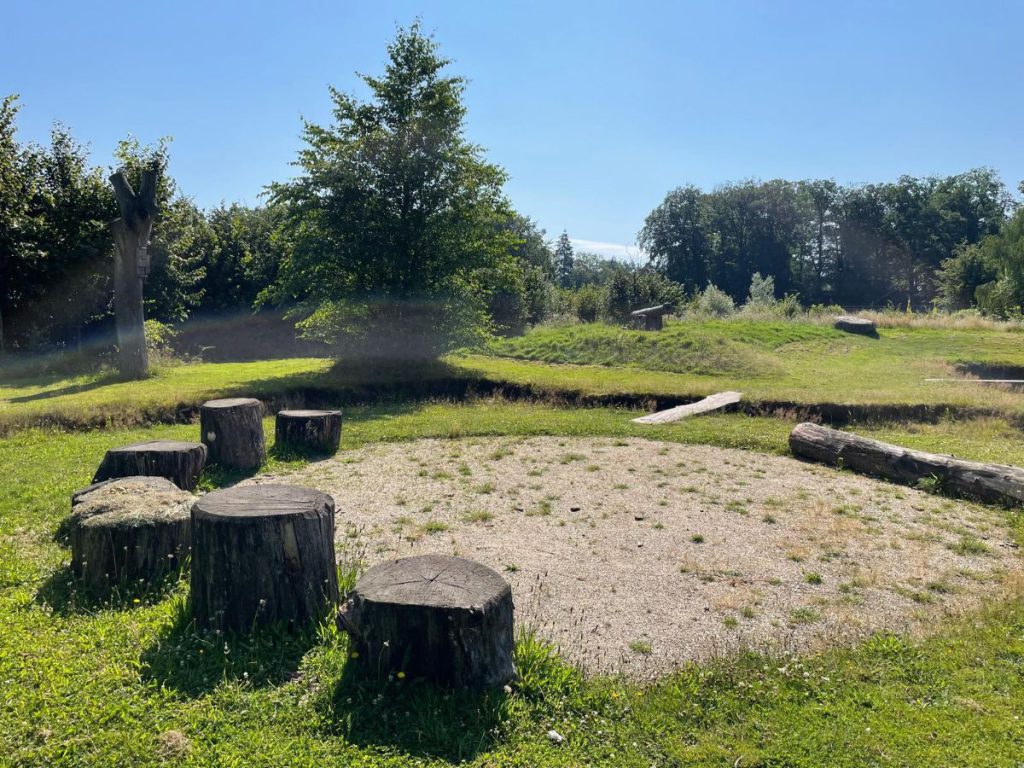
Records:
x=636, y=555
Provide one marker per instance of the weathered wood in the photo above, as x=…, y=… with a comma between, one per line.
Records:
x=997, y=483
x=178, y=461
x=131, y=239
x=852, y=324
x=232, y=430
x=262, y=554
x=129, y=529
x=318, y=431
x=442, y=618
x=650, y=318
x=710, y=403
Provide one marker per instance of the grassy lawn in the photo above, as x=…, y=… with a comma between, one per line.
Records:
x=772, y=362
x=129, y=683
x=767, y=361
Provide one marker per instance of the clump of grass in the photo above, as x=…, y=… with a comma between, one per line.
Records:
x=770, y=519
x=731, y=622
x=804, y=616
x=969, y=546
x=812, y=577
x=641, y=647
x=568, y=458
x=485, y=488
x=697, y=538
x=478, y=516
x=432, y=527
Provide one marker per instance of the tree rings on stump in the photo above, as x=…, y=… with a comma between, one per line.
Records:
x=129, y=529
x=178, y=461
x=443, y=618
x=317, y=431
x=262, y=554
x=232, y=430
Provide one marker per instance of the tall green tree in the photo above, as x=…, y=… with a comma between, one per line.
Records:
x=394, y=215
x=565, y=260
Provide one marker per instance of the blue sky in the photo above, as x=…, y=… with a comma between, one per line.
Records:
x=595, y=109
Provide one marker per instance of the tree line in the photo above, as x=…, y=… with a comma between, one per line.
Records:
x=870, y=245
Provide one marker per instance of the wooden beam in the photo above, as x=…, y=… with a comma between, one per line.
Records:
x=711, y=403
x=998, y=483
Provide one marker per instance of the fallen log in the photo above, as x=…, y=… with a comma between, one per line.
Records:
x=710, y=403
x=995, y=483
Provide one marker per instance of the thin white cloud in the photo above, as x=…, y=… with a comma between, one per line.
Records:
x=618, y=251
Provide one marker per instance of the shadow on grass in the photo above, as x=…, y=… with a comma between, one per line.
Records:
x=66, y=595
x=194, y=662
x=73, y=389
x=415, y=716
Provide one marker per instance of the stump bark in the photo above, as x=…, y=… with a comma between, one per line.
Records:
x=178, y=461
x=262, y=554
x=997, y=483
x=852, y=324
x=129, y=529
x=232, y=431
x=442, y=618
x=318, y=431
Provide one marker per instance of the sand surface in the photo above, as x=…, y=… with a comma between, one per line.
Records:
x=636, y=556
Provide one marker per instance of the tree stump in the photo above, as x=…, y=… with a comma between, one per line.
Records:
x=262, y=554
x=433, y=616
x=232, y=430
x=318, y=431
x=852, y=324
x=130, y=529
x=150, y=481
x=178, y=461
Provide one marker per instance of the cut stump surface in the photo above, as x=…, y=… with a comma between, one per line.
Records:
x=262, y=554
x=178, y=461
x=443, y=618
x=852, y=324
x=232, y=431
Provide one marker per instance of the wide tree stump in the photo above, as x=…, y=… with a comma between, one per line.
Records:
x=232, y=430
x=852, y=324
x=262, y=554
x=998, y=483
x=151, y=481
x=317, y=431
x=178, y=461
x=130, y=529
x=433, y=616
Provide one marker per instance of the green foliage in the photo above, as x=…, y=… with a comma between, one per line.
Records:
x=565, y=260
x=990, y=272
x=394, y=216
x=713, y=302
x=762, y=291
x=863, y=245
x=634, y=288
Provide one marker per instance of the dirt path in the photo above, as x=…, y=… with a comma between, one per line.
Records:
x=636, y=555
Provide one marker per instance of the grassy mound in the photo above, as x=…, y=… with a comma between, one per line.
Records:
x=707, y=348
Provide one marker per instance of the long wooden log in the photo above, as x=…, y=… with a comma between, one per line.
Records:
x=997, y=483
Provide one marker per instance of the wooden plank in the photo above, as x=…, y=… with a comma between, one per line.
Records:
x=711, y=403
x=986, y=482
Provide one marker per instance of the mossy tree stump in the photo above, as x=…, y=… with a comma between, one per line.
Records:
x=232, y=431
x=262, y=554
x=314, y=431
x=433, y=616
x=130, y=529
x=178, y=461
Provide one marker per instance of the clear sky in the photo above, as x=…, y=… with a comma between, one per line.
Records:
x=596, y=109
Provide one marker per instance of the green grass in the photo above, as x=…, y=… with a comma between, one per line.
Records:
x=769, y=361
x=131, y=683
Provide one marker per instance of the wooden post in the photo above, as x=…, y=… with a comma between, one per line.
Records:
x=131, y=239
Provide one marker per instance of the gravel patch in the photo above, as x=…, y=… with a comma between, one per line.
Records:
x=636, y=556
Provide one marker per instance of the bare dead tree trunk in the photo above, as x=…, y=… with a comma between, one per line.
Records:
x=131, y=238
